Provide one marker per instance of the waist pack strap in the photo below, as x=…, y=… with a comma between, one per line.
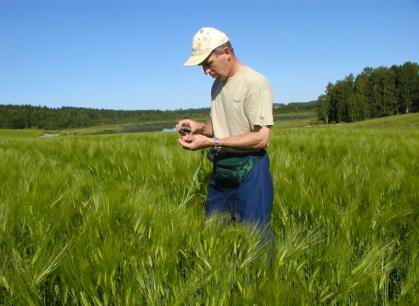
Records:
x=231, y=152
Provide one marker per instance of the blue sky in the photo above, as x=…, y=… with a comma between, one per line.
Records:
x=129, y=54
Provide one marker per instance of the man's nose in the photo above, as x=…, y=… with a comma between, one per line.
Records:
x=206, y=69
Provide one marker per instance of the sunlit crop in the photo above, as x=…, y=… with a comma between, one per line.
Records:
x=119, y=220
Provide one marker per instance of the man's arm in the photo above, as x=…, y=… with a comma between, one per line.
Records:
x=256, y=139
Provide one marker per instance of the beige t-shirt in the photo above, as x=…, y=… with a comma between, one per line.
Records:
x=241, y=102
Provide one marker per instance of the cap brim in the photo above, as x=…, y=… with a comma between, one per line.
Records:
x=196, y=59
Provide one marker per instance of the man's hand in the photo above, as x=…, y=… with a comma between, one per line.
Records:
x=195, y=142
x=193, y=125
x=197, y=135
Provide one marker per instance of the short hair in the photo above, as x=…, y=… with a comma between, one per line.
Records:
x=220, y=49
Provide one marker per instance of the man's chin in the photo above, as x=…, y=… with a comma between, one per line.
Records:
x=219, y=77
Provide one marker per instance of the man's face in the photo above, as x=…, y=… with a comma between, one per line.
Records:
x=217, y=65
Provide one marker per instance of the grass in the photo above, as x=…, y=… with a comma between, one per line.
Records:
x=119, y=219
x=406, y=121
x=23, y=133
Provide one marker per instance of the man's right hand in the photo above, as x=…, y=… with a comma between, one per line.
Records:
x=193, y=125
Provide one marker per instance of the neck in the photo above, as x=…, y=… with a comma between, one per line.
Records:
x=235, y=67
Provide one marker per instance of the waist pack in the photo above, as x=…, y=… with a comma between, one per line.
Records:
x=231, y=171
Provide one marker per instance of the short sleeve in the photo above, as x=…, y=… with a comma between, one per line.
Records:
x=258, y=107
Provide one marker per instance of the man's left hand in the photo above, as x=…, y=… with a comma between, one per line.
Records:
x=194, y=142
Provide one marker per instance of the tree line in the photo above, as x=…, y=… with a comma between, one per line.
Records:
x=294, y=107
x=373, y=93
x=42, y=117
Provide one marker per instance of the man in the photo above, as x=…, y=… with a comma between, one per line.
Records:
x=237, y=134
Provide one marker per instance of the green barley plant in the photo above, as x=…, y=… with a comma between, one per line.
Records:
x=119, y=220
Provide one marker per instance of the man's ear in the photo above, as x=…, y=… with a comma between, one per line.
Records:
x=227, y=51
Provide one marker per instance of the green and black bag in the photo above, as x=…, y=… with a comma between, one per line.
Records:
x=230, y=170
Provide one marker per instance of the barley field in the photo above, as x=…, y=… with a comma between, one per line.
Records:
x=119, y=220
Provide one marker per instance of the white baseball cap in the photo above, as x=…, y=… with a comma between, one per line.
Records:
x=204, y=42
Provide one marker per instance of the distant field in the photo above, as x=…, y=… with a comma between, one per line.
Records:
x=281, y=121
x=118, y=220
x=20, y=133
x=121, y=128
x=294, y=116
x=406, y=121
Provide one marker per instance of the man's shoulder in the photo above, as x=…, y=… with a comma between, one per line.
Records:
x=252, y=72
x=254, y=78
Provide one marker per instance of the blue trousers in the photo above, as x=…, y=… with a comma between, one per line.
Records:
x=251, y=201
